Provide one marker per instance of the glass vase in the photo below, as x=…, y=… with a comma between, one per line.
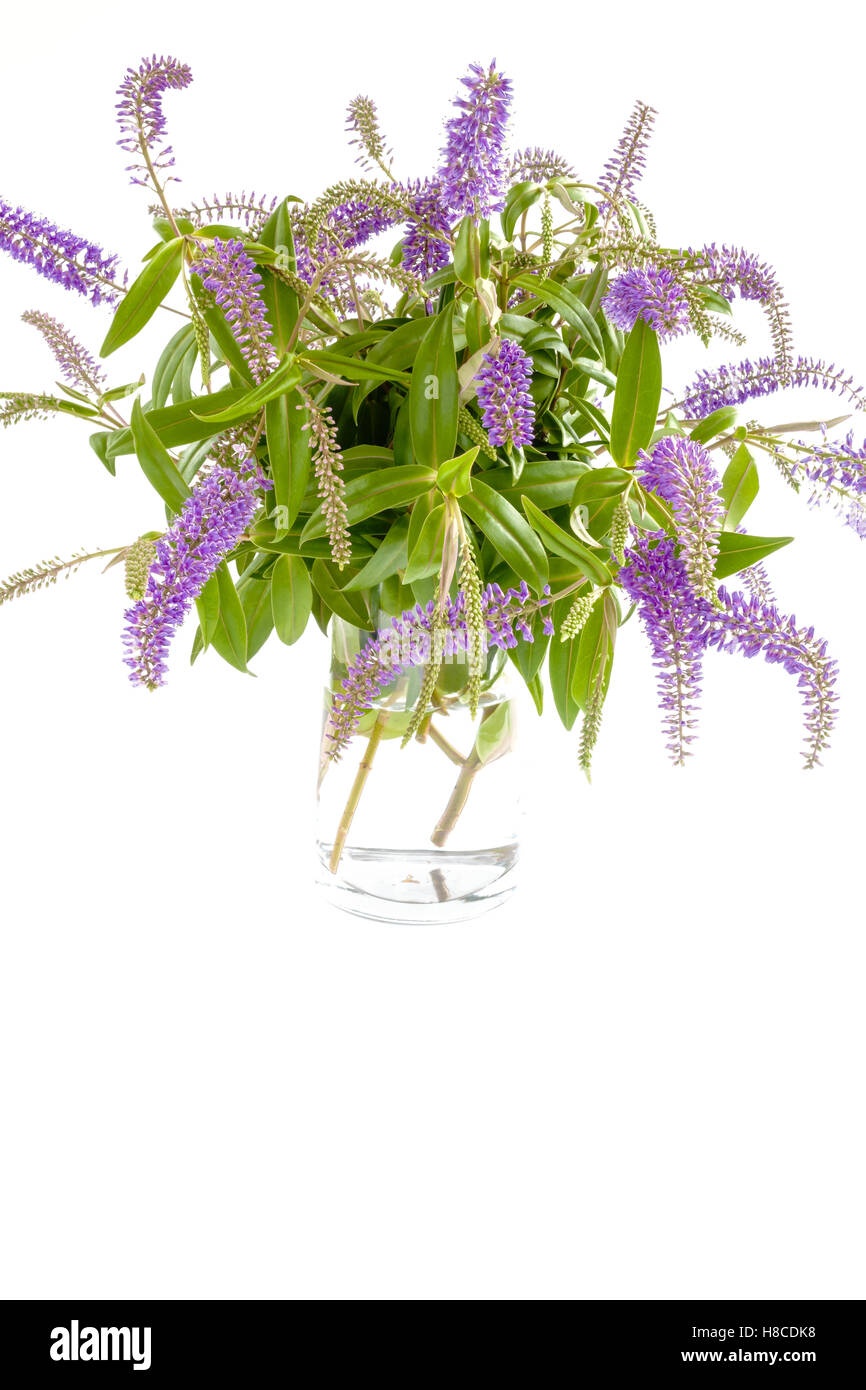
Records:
x=427, y=832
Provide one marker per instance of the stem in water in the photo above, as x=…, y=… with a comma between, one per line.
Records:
x=355, y=794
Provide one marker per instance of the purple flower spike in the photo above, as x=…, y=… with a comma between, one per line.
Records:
x=682, y=473
x=423, y=252
x=74, y=361
x=231, y=276
x=59, y=255
x=140, y=115
x=654, y=295
x=208, y=528
x=753, y=628
x=408, y=642
x=474, y=171
x=508, y=413
x=675, y=621
x=746, y=381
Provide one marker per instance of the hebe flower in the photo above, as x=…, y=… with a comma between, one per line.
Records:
x=409, y=641
x=473, y=170
x=732, y=271
x=538, y=166
x=507, y=410
x=208, y=527
x=74, y=361
x=231, y=276
x=675, y=621
x=744, y=381
x=140, y=115
x=748, y=626
x=423, y=252
x=682, y=473
x=835, y=473
x=60, y=255
x=653, y=294
x=626, y=165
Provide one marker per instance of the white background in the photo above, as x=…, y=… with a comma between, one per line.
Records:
x=644, y=1078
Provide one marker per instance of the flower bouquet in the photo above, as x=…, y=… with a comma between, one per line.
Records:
x=456, y=454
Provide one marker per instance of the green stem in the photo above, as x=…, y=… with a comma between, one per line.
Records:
x=469, y=768
x=358, y=785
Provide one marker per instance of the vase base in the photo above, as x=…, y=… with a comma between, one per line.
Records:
x=417, y=887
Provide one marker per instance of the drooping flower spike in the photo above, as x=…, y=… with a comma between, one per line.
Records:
x=141, y=118
x=683, y=475
x=59, y=255
x=75, y=362
x=738, y=382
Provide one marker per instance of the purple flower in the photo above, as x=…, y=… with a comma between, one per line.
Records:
x=74, y=361
x=753, y=628
x=731, y=271
x=508, y=413
x=140, y=115
x=252, y=209
x=835, y=473
x=408, y=642
x=423, y=252
x=231, y=276
x=626, y=165
x=675, y=621
x=473, y=170
x=745, y=381
x=683, y=475
x=209, y=526
x=653, y=294
x=59, y=255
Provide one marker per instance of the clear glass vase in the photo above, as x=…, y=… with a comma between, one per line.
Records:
x=426, y=832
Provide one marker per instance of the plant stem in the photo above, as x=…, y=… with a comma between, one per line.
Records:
x=441, y=742
x=469, y=767
x=358, y=785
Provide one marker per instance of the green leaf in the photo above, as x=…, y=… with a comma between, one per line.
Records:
x=396, y=349
x=495, y=734
x=426, y=557
x=208, y=605
x=255, y=595
x=739, y=487
x=144, y=295
x=569, y=547
x=595, y=650
x=156, y=463
x=390, y=556
x=99, y=443
x=549, y=484
x=567, y=305
x=637, y=396
x=230, y=634
x=352, y=368
x=374, y=493
x=168, y=363
x=327, y=582
x=289, y=455
x=471, y=251
x=519, y=200
x=738, y=552
x=508, y=533
x=720, y=422
x=221, y=333
x=174, y=424
x=291, y=597
x=597, y=496
x=454, y=475
x=281, y=302
x=434, y=393
x=286, y=376
x=561, y=665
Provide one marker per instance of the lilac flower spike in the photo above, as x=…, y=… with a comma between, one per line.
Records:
x=209, y=526
x=683, y=475
x=141, y=119
x=473, y=171
x=748, y=626
x=835, y=473
x=654, y=295
x=675, y=621
x=231, y=276
x=59, y=255
x=423, y=252
x=626, y=165
x=408, y=642
x=74, y=361
x=508, y=413
x=745, y=381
